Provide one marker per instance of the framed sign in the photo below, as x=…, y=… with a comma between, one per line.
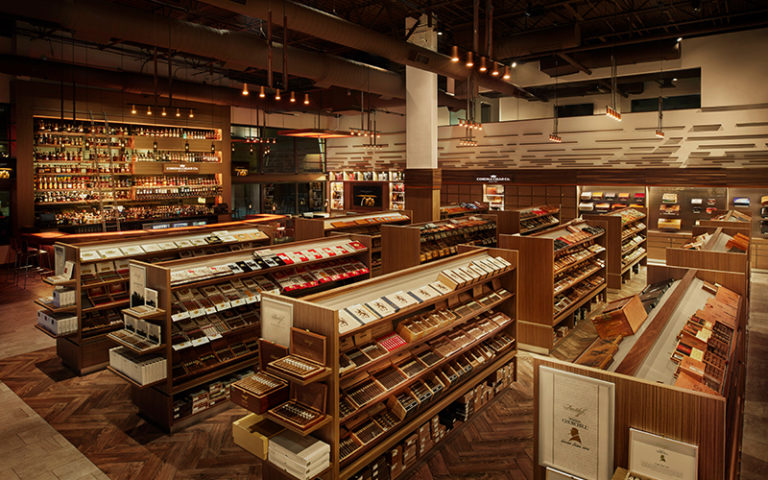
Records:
x=138, y=282
x=276, y=321
x=576, y=422
x=662, y=458
x=58, y=257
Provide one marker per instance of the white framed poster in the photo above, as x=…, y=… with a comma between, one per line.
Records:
x=276, y=321
x=662, y=458
x=576, y=423
x=138, y=281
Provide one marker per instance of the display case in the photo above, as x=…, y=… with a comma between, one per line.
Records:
x=363, y=224
x=572, y=259
x=94, y=172
x=461, y=209
x=96, y=273
x=382, y=388
x=493, y=195
x=714, y=248
x=526, y=221
x=208, y=317
x=674, y=209
x=350, y=190
x=406, y=246
x=625, y=242
x=606, y=198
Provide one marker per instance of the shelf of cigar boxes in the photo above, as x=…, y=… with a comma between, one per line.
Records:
x=366, y=224
x=699, y=324
x=533, y=219
x=419, y=243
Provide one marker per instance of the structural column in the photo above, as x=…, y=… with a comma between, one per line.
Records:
x=422, y=177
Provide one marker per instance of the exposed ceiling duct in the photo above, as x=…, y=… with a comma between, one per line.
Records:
x=334, y=29
x=104, y=22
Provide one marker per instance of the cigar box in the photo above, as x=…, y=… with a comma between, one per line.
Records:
x=306, y=406
x=395, y=458
x=259, y=392
x=270, y=352
x=620, y=317
x=307, y=355
x=253, y=432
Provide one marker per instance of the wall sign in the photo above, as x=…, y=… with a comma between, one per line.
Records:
x=662, y=458
x=493, y=179
x=276, y=321
x=180, y=168
x=576, y=421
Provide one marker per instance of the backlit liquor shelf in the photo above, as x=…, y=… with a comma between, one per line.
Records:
x=79, y=164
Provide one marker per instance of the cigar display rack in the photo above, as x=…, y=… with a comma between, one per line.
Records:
x=305, y=409
x=442, y=328
x=99, y=277
x=526, y=221
x=368, y=224
x=711, y=247
x=572, y=258
x=626, y=233
x=409, y=245
x=211, y=326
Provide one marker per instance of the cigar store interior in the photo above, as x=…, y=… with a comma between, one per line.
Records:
x=383, y=240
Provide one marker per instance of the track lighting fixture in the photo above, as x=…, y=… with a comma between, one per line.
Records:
x=612, y=113
x=555, y=138
x=245, y=91
x=470, y=62
x=455, y=54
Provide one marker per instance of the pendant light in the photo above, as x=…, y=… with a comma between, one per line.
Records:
x=483, y=68
x=506, y=76
x=554, y=137
x=611, y=110
x=163, y=112
x=455, y=54
x=191, y=113
x=261, y=92
x=277, y=94
x=495, y=72
x=306, y=99
x=293, y=97
x=178, y=113
x=470, y=62
x=133, y=109
x=149, y=111
x=245, y=91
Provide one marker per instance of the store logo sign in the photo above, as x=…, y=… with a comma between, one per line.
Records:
x=493, y=179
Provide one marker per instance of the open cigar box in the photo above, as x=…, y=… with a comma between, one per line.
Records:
x=306, y=355
x=306, y=406
x=259, y=392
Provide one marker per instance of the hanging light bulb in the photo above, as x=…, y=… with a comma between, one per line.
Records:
x=277, y=94
x=191, y=113
x=495, y=72
x=455, y=53
x=261, y=92
x=483, y=67
x=660, y=133
x=149, y=110
x=178, y=113
x=293, y=97
x=154, y=145
x=133, y=109
x=306, y=99
x=163, y=113
x=506, y=76
x=250, y=149
x=470, y=62
x=245, y=91
x=186, y=147
x=233, y=147
x=213, y=148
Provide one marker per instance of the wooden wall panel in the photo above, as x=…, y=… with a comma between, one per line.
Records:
x=664, y=410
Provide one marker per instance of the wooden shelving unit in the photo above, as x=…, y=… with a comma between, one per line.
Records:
x=340, y=188
x=527, y=221
x=365, y=224
x=576, y=273
x=202, y=355
x=462, y=209
x=626, y=237
x=406, y=246
x=82, y=164
x=86, y=350
x=320, y=313
x=647, y=380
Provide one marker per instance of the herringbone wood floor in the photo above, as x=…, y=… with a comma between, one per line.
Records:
x=96, y=415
